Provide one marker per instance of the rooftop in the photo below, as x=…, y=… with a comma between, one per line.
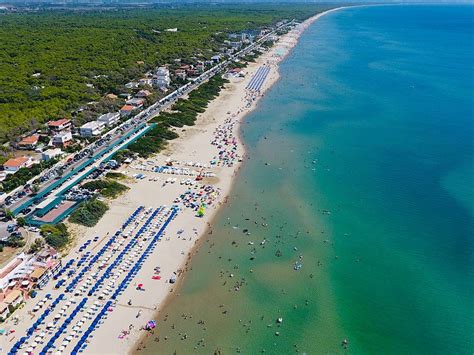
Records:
x=38, y=272
x=58, y=123
x=127, y=108
x=16, y=162
x=92, y=124
x=12, y=296
x=30, y=140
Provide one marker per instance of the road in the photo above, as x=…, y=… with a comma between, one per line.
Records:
x=119, y=133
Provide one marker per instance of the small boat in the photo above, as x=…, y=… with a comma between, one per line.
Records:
x=297, y=266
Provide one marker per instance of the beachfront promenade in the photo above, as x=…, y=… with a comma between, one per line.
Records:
x=90, y=284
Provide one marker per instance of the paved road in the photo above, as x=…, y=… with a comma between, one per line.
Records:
x=141, y=117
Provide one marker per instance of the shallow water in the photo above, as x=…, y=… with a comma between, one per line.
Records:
x=368, y=140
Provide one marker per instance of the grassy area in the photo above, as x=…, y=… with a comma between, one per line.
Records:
x=114, y=175
x=55, y=235
x=89, y=213
x=55, y=61
x=107, y=187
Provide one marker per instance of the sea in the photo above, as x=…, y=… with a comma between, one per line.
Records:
x=350, y=227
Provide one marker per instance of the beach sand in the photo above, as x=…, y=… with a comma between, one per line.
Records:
x=174, y=251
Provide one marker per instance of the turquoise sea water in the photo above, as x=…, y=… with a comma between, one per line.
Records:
x=362, y=165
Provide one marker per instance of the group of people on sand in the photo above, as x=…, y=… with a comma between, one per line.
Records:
x=226, y=143
x=202, y=194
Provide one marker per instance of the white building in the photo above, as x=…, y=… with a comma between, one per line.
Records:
x=62, y=139
x=109, y=119
x=162, y=78
x=91, y=129
x=51, y=153
x=15, y=164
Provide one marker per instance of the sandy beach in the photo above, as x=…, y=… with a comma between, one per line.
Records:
x=212, y=149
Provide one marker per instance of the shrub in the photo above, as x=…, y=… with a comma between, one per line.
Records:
x=89, y=213
x=56, y=236
x=107, y=188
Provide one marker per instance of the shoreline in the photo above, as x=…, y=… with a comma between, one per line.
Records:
x=174, y=292
x=201, y=143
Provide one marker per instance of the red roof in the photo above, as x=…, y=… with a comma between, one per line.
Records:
x=16, y=162
x=29, y=140
x=58, y=123
x=127, y=108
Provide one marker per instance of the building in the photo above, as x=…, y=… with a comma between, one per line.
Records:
x=180, y=73
x=15, y=164
x=91, y=129
x=144, y=82
x=39, y=276
x=143, y=93
x=235, y=45
x=200, y=67
x=138, y=103
x=25, y=272
x=131, y=85
x=109, y=119
x=125, y=95
x=14, y=298
x=59, y=126
x=235, y=72
x=127, y=110
x=62, y=139
x=161, y=79
x=216, y=59
x=51, y=154
x=29, y=143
